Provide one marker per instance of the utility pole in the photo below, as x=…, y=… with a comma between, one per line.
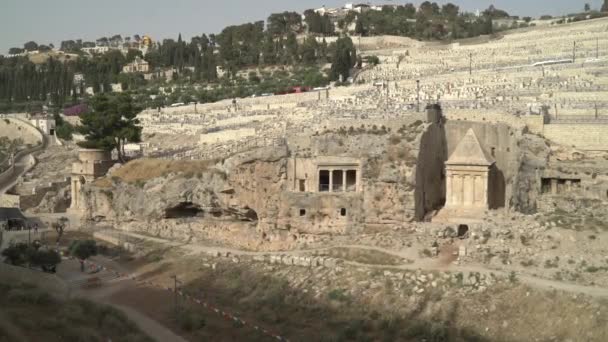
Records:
x=574, y=52
x=175, y=301
x=418, y=96
x=596, y=114
x=597, y=48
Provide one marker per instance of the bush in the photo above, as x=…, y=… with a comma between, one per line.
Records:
x=32, y=296
x=190, y=321
x=339, y=295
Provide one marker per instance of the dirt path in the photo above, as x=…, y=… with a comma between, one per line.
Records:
x=536, y=282
x=69, y=270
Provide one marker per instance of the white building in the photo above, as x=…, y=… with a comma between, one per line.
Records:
x=116, y=87
x=138, y=65
x=44, y=123
x=96, y=50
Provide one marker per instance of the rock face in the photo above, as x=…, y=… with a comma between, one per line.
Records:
x=275, y=195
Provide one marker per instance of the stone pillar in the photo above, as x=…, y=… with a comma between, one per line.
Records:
x=344, y=172
x=553, y=186
x=486, y=184
x=331, y=180
x=569, y=185
x=467, y=188
x=448, y=189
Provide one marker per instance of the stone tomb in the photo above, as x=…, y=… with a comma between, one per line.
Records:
x=467, y=181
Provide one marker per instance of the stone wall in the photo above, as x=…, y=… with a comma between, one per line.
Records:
x=430, y=170
x=592, y=136
x=18, y=129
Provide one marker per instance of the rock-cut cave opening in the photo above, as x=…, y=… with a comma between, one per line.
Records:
x=184, y=210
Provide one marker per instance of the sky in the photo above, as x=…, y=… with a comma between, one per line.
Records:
x=51, y=21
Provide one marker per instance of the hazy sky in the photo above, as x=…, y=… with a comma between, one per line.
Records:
x=51, y=21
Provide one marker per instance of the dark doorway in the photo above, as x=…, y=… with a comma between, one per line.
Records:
x=182, y=210
x=302, y=212
x=463, y=231
x=351, y=180
x=343, y=212
x=324, y=180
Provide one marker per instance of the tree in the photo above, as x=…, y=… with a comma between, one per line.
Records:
x=280, y=24
x=15, y=51
x=30, y=46
x=111, y=123
x=450, y=11
x=45, y=259
x=360, y=27
x=605, y=6
x=16, y=254
x=83, y=249
x=343, y=59
x=587, y=7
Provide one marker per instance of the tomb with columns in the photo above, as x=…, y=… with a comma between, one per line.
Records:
x=91, y=164
x=467, y=181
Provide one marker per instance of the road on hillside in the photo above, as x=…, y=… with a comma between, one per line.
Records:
x=20, y=168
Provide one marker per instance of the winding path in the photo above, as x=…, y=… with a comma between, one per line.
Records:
x=69, y=271
x=21, y=167
x=535, y=282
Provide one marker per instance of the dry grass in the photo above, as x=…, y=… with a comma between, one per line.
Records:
x=365, y=256
x=142, y=170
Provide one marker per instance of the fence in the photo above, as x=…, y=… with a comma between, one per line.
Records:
x=574, y=119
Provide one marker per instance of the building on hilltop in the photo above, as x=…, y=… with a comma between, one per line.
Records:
x=138, y=65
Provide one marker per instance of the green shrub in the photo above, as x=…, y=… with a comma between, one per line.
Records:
x=190, y=321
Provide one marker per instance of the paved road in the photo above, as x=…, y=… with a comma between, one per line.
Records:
x=20, y=168
x=536, y=282
x=69, y=270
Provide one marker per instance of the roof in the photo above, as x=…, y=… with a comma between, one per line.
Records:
x=11, y=214
x=470, y=152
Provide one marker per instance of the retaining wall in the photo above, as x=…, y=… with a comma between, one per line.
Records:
x=589, y=136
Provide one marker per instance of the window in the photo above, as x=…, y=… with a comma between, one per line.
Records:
x=545, y=185
x=343, y=212
x=302, y=212
x=302, y=185
x=351, y=180
x=337, y=180
x=324, y=180
x=493, y=152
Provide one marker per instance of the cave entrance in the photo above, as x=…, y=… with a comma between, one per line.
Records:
x=183, y=210
x=463, y=231
x=250, y=215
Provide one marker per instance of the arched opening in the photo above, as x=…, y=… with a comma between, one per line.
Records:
x=250, y=215
x=463, y=231
x=343, y=212
x=183, y=210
